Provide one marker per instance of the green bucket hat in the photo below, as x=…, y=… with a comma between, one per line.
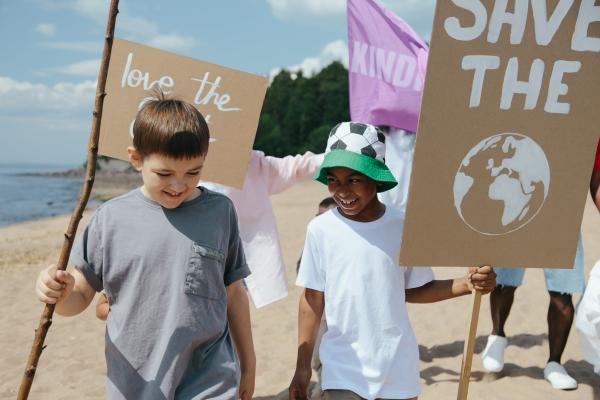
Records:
x=360, y=147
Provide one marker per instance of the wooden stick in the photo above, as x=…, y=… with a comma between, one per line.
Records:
x=465, y=369
x=84, y=195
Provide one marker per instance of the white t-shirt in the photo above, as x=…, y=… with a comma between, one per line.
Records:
x=369, y=347
x=399, y=152
x=588, y=320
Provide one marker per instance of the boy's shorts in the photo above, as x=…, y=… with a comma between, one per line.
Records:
x=559, y=280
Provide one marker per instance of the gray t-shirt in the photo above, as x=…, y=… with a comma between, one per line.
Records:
x=164, y=272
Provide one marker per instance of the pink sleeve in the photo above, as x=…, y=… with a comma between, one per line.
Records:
x=282, y=173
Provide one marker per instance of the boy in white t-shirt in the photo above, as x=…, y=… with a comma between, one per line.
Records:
x=350, y=270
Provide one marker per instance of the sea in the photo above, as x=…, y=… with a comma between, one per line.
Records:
x=26, y=196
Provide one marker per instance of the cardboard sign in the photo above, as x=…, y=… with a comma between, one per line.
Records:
x=229, y=100
x=507, y=134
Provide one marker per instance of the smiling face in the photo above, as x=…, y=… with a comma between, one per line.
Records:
x=355, y=194
x=168, y=181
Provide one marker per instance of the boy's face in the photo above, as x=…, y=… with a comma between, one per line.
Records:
x=355, y=194
x=168, y=181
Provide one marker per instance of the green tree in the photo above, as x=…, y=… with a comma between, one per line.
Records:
x=299, y=111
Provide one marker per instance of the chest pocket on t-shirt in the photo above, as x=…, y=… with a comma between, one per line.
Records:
x=205, y=273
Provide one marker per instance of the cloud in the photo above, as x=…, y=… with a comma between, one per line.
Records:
x=334, y=51
x=95, y=9
x=286, y=9
x=45, y=123
x=82, y=68
x=418, y=13
x=172, y=42
x=46, y=29
x=137, y=28
x=24, y=97
x=82, y=47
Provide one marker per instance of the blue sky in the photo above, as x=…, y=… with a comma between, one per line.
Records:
x=51, y=52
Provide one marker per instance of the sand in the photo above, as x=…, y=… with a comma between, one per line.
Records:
x=72, y=365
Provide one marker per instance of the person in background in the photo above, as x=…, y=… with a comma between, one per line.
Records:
x=561, y=285
x=587, y=320
x=399, y=153
x=325, y=205
x=266, y=176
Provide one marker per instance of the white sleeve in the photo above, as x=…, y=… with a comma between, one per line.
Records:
x=311, y=274
x=417, y=276
x=587, y=319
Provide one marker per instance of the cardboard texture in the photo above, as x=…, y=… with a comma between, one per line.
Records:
x=230, y=101
x=498, y=182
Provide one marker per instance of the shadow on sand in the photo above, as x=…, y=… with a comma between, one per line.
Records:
x=582, y=371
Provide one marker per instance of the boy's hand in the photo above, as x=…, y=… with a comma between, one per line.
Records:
x=299, y=386
x=102, y=307
x=246, y=386
x=52, y=286
x=482, y=279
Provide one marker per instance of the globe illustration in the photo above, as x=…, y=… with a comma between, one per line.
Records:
x=501, y=184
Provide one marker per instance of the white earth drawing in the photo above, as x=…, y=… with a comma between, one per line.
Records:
x=501, y=184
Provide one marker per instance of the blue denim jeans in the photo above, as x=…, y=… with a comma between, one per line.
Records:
x=557, y=279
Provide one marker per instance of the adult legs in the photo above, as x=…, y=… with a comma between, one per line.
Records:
x=561, y=283
x=560, y=319
x=501, y=300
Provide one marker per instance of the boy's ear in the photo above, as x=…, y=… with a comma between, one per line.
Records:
x=134, y=158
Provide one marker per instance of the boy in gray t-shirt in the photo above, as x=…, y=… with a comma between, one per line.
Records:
x=169, y=257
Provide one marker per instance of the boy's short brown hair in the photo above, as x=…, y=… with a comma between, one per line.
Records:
x=170, y=127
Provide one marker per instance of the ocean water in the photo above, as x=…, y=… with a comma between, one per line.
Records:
x=25, y=197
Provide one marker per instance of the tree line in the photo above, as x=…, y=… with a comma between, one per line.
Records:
x=298, y=112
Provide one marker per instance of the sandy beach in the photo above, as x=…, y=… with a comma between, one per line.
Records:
x=72, y=366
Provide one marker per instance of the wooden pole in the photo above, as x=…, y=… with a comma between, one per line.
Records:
x=465, y=369
x=84, y=195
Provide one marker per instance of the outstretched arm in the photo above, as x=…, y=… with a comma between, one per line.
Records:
x=283, y=173
x=310, y=311
x=482, y=279
x=238, y=315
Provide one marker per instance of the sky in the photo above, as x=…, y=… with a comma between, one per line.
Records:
x=50, y=54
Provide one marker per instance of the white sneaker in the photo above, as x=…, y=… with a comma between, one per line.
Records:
x=493, y=354
x=557, y=375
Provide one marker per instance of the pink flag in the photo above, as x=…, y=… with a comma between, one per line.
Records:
x=387, y=67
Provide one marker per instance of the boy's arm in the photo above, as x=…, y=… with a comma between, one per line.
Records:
x=238, y=315
x=310, y=311
x=482, y=279
x=71, y=292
